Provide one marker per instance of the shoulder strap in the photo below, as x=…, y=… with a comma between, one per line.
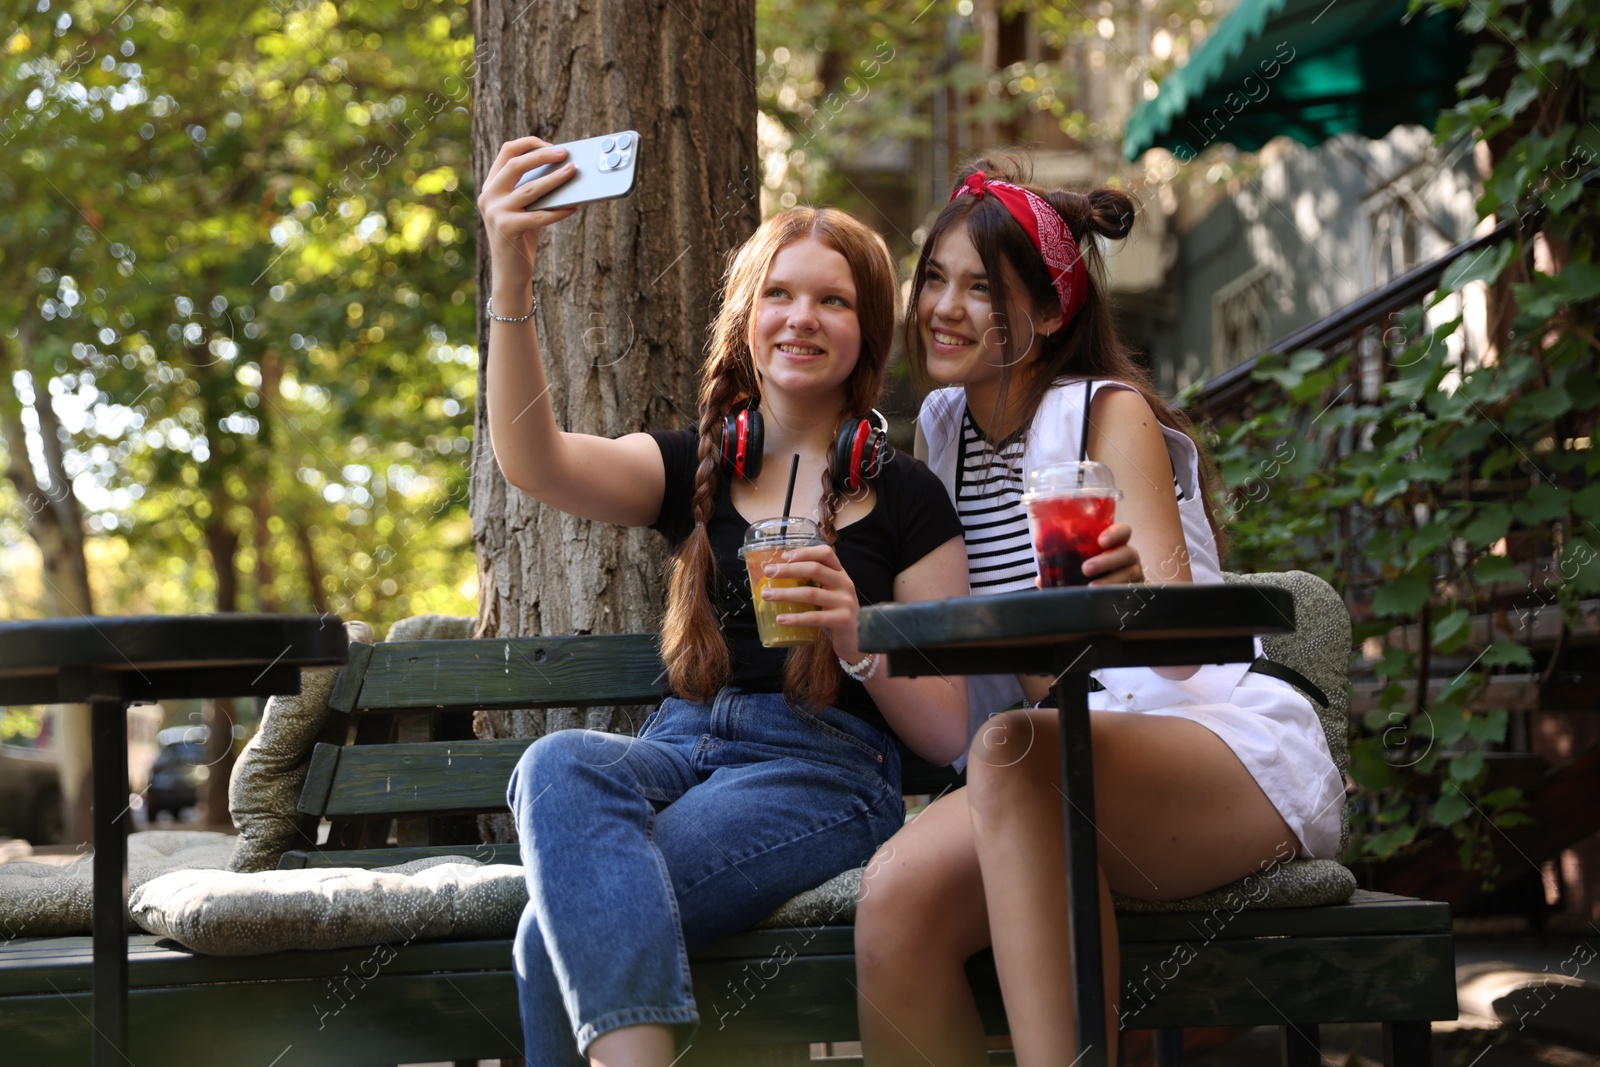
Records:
x=1083, y=434
x=1265, y=666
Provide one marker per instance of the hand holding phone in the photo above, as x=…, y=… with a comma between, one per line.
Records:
x=512, y=230
x=604, y=170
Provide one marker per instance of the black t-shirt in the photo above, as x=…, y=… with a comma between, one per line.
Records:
x=912, y=516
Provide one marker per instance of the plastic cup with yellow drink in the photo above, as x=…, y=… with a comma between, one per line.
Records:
x=765, y=542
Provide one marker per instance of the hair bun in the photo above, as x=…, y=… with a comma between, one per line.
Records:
x=1105, y=212
x=1110, y=213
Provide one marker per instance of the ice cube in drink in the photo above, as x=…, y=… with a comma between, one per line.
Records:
x=1069, y=506
x=1066, y=531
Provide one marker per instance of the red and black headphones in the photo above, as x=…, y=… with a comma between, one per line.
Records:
x=859, y=453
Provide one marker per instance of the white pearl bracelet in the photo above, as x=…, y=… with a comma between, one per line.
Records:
x=864, y=670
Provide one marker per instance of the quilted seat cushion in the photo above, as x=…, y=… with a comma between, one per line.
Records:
x=232, y=913
x=270, y=772
x=52, y=900
x=236, y=913
x=1298, y=884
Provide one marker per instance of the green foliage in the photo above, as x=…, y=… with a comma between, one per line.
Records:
x=1456, y=489
x=20, y=725
x=851, y=93
x=241, y=251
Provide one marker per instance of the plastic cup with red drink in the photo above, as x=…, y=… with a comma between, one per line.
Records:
x=1069, y=506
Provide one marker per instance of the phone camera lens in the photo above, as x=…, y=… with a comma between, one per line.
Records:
x=608, y=144
x=624, y=142
x=613, y=161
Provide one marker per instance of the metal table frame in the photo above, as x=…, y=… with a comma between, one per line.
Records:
x=1069, y=633
x=112, y=662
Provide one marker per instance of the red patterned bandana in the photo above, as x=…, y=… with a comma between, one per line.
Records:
x=1043, y=225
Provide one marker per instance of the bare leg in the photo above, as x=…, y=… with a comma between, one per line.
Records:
x=1176, y=814
x=1016, y=819
x=920, y=917
x=633, y=1046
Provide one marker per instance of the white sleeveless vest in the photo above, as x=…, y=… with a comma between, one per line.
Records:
x=1055, y=436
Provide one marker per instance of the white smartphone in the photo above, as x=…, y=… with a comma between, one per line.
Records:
x=605, y=171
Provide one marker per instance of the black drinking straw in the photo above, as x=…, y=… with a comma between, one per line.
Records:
x=788, y=496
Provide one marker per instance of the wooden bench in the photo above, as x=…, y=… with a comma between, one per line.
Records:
x=399, y=771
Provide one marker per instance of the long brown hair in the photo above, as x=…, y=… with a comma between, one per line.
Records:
x=692, y=643
x=1086, y=347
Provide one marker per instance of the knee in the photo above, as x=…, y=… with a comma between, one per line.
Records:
x=542, y=767
x=901, y=911
x=1014, y=755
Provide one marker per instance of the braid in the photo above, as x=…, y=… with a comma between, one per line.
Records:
x=692, y=643
x=811, y=673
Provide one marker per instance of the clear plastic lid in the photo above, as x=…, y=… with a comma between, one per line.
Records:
x=1087, y=478
x=792, y=532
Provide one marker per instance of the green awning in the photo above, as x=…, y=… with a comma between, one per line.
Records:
x=1306, y=69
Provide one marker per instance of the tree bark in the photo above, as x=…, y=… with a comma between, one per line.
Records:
x=55, y=521
x=627, y=288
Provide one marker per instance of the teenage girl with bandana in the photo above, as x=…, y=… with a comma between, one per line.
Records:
x=1201, y=774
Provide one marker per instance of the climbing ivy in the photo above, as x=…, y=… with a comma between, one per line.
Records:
x=1452, y=498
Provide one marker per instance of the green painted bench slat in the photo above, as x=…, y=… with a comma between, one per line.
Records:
x=518, y=672
x=1264, y=981
x=347, y=686
x=62, y=964
x=425, y=777
x=396, y=1018
x=1365, y=913
x=432, y=777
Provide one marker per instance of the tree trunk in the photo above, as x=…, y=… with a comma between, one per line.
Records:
x=308, y=559
x=262, y=505
x=55, y=521
x=627, y=288
x=222, y=544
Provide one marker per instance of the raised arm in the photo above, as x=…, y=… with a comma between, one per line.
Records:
x=610, y=480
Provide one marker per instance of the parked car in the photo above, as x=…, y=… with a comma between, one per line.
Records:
x=179, y=769
x=30, y=790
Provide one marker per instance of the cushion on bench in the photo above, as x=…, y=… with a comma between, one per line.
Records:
x=230, y=913
x=270, y=772
x=433, y=628
x=54, y=900
x=234, y=913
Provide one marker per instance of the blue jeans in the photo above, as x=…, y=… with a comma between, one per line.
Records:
x=641, y=850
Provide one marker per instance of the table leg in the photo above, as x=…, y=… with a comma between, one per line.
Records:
x=1083, y=873
x=110, y=754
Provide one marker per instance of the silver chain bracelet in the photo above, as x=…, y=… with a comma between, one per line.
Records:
x=488, y=309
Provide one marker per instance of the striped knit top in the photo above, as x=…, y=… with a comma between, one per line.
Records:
x=989, y=487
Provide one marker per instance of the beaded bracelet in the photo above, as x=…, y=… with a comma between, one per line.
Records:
x=488, y=309
x=864, y=670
